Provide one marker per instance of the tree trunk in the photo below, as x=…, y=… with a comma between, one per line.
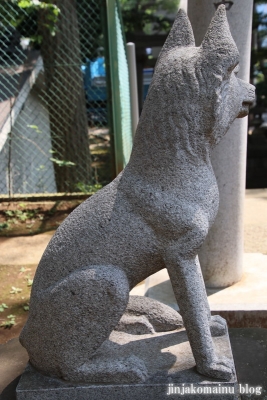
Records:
x=65, y=98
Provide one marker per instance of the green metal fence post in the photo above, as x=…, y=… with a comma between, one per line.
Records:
x=120, y=86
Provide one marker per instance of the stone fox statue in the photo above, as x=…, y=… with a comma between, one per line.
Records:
x=156, y=214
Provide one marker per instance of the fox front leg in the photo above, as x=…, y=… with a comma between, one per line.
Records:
x=187, y=282
x=218, y=325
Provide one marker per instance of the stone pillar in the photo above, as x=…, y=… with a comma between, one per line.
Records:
x=221, y=256
x=183, y=5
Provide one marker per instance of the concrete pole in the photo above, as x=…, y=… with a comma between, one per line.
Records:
x=221, y=256
x=130, y=48
x=183, y=5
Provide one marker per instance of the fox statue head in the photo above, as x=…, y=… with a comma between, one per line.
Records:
x=195, y=94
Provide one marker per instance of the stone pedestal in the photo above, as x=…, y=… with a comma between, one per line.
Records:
x=170, y=365
x=221, y=256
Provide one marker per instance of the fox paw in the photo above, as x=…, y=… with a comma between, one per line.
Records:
x=218, y=326
x=220, y=369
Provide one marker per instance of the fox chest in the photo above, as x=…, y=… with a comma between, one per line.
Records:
x=173, y=212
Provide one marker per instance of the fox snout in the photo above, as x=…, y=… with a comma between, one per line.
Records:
x=248, y=95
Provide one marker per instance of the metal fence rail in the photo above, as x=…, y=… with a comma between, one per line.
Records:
x=54, y=93
x=120, y=86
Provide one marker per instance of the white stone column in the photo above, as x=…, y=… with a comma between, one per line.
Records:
x=183, y=5
x=221, y=256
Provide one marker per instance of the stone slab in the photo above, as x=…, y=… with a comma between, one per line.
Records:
x=243, y=304
x=167, y=356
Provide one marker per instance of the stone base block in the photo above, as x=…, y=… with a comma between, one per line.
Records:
x=169, y=362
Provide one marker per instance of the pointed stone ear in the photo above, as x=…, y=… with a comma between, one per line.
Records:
x=218, y=39
x=181, y=33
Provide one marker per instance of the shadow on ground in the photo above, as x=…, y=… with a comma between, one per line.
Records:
x=249, y=346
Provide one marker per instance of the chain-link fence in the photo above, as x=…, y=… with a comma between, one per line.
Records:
x=56, y=98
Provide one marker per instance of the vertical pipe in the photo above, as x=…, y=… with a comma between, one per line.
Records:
x=183, y=5
x=133, y=85
x=104, y=24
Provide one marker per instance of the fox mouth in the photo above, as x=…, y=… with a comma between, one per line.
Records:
x=245, y=108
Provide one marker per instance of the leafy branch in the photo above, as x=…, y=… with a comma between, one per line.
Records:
x=148, y=16
x=24, y=15
x=51, y=9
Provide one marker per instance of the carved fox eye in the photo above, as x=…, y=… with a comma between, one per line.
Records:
x=235, y=69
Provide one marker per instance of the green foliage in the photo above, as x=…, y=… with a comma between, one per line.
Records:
x=11, y=320
x=26, y=307
x=3, y=306
x=82, y=187
x=4, y=225
x=9, y=213
x=37, y=5
x=258, y=71
x=29, y=282
x=20, y=215
x=148, y=16
x=62, y=163
x=15, y=290
x=150, y=6
x=35, y=127
x=41, y=167
x=23, y=15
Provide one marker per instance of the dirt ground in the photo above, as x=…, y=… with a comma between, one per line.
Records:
x=15, y=289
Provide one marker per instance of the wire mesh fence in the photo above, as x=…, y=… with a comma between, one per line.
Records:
x=54, y=96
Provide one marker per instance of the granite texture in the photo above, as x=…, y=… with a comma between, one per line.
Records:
x=170, y=364
x=155, y=214
x=145, y=315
